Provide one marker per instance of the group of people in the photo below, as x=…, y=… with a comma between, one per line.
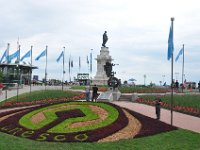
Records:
x=94, y=93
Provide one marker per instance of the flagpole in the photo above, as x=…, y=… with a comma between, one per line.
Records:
x=31, y=69
x=71, y=73
x=18, y=73
x=79, y=63
x=69, y=69
x=7, y=55
x=88, y=65
x=63, y=67
x=183, y=69
x=91, y=61
x=172, y=19
x=46, y=69
x=18, y=58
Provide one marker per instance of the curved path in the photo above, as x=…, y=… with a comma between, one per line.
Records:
x=179, y=120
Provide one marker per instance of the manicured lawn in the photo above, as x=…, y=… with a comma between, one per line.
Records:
x=100, y=88
x=43, y=96
x=179, y=100
x=189, y=104
x=142, y=90
x=178, y=139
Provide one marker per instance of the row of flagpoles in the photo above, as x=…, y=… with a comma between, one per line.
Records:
x=8, y=59
x=170, y=56
x=16, y=54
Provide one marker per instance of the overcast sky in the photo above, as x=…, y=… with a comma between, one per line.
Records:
x=138, y=33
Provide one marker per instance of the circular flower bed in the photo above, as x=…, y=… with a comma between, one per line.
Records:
x=79, y=122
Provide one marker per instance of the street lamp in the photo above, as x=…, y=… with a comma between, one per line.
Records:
x=163, y=78
x=145, y=76
x=18, y=78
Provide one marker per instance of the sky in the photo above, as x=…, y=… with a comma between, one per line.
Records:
x=137, y=30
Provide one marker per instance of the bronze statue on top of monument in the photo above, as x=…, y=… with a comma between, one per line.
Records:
x=105, y=39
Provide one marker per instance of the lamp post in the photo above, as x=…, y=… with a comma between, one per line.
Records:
x=145, y=76
x=91, y=61
x=18, y=80
x=63, y=67
x=163, y=78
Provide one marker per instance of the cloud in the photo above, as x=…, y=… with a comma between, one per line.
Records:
x=138, y=33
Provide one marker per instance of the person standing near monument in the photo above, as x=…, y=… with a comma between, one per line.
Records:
x=94, y=92
x=105, y=39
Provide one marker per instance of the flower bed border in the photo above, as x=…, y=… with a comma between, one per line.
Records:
x=149, y=127
x=182, y=109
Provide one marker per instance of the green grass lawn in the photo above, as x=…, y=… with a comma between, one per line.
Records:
x=41, y=95
x=176, y=140
x=127, y=89
x=192, y=101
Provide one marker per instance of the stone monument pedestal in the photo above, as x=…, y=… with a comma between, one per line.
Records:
x=109, y=96
x=101, y=78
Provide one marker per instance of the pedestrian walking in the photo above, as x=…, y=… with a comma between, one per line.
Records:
x=94, y=93
x=158, y=106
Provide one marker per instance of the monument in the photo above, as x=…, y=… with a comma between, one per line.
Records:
x=105, y=75
x=101, y=77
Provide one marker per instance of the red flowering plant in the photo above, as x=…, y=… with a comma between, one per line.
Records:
x=184, y=104
x=42, y=97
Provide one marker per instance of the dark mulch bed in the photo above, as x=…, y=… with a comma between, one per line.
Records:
x=150, y=126
x=11, y=126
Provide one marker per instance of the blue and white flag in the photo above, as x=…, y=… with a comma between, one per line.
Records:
x=179, y=54
x=170, y=44
x=61, y=55
x=41, y=55
x=28, y=54
x=12, y=56
x=4, y=55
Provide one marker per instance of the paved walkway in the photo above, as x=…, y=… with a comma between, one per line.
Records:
x=179, y=120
